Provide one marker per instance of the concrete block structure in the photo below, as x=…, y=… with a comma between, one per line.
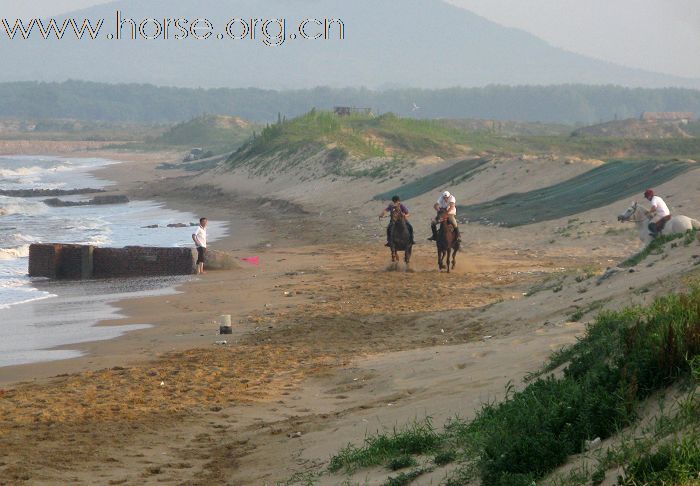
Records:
x=59, y=261
x=135, y=261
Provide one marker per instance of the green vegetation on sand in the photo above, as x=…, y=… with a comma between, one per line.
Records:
x=357, y=135
x=217, y=133
x=346, y=143
x=622, y=360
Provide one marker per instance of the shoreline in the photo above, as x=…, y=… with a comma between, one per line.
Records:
x=123, y=348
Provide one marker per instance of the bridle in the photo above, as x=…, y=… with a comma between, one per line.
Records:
x=633, y=220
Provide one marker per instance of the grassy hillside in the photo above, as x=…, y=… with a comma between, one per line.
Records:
x=213, y=132
x=358, y=136
x=363, y=136
x=624, y=358
x=387, y=139
x=596, y=188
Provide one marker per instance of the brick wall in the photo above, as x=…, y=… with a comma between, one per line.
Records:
x=58, y=261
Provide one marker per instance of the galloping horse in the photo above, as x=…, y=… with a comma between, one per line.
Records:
x=447, y=244
x=637, y=214
x=400, y=239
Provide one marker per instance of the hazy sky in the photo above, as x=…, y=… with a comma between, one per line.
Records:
x=658, y=35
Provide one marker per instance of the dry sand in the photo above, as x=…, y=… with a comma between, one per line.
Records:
x=328, y=345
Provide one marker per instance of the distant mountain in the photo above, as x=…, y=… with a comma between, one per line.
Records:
x=389, y=43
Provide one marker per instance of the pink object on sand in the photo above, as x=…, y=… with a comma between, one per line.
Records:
x=252, y=260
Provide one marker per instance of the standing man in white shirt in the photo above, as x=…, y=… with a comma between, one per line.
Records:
x=659, y=212
x=448, y=202
x=200, y=241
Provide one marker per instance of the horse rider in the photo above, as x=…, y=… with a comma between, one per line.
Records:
x=659, y=213
x=398, y=205
x=447, y=202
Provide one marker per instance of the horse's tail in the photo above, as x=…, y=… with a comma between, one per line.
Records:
x=456, y=247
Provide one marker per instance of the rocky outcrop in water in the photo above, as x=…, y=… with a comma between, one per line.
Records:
x=96, y=201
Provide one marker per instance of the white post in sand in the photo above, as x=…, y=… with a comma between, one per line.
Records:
x=225, y=325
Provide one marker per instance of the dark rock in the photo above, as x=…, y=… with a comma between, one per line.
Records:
x=152, y=226
x=96, y=201
x=178, y=225
x=115, y=199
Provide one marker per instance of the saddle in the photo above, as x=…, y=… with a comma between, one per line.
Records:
x=658, y=227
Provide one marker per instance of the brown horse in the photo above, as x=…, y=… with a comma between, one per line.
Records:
x=447, y=244
x=400, y=238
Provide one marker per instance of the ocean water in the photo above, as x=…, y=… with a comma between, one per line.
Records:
x=71, y=310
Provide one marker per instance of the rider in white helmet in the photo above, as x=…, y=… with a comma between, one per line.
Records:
x=447, y=202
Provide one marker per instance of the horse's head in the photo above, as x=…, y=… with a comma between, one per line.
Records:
x=441, y=215
x=629, y=213
x=397, y=214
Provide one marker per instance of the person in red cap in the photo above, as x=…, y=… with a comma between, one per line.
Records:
x=659, y=213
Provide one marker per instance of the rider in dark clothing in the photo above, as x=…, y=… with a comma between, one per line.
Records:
x=396, y=203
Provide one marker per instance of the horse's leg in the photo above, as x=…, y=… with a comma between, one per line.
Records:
x=454, y=258
x=449, y=255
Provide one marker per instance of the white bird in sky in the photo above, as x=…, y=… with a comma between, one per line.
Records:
x=415, y=107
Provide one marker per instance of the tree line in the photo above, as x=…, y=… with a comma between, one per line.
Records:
x=142, y=103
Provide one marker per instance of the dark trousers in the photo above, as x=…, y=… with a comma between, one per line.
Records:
x=658, y=226
x=391, y=225
x=453, y=221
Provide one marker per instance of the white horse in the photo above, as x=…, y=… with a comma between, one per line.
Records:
x=676, y=225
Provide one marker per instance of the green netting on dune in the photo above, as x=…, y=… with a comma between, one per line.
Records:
x=598, y=187
x=454, y=174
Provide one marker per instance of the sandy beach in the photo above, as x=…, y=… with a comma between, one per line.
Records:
x=328, y=345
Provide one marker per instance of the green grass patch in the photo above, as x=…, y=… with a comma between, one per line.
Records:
x=675, y=462
x=416, y=439
x=656, y=246
x=445, y=457
x=624, y=357
x=401, y=462
x=452, y=175
x=598, y=187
